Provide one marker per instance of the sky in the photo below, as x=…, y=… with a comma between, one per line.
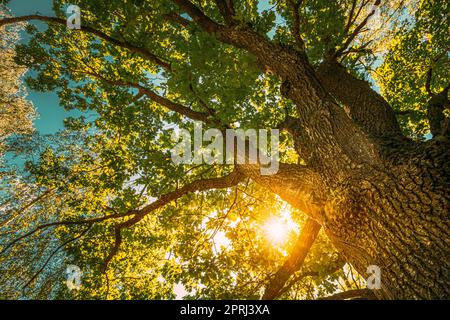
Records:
x=51, y=114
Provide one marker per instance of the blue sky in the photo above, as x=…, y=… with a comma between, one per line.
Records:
x=51, y=114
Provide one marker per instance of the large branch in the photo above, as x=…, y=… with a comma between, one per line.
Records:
x=241, y=36
x=227, y=181
x=439, y=123
x=329, y=132
x=120, y=43
x=198, y=16
x=293, y=183
x=226, y=9
x=295, y=261
x=296, y=184
x=369, y=110
x=295, y=7
x=310, y=273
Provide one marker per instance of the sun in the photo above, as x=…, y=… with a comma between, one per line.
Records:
x=276, y=230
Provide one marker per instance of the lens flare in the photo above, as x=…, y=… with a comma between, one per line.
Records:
x=276, y=230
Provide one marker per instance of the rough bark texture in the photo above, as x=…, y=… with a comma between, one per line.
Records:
x=386, y=211
x=397, y=217
x=385, y=198
x=365, y=106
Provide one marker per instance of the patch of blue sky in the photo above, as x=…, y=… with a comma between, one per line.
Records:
x=50, y=114
x=268, y=5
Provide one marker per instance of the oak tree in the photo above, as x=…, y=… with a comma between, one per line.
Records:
x=359, y=89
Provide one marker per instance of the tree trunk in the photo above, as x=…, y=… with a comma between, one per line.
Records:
x=382, y=199
x=398, y=219
x=385, y=197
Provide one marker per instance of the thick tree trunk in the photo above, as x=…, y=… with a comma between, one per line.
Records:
x=386, y=198
x=398, y=219
x=382, y=199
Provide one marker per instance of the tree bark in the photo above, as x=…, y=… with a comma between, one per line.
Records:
x=366, y=107
x=398, y=219
x=386, y=211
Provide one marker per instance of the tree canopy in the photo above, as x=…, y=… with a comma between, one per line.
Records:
x=104, y=195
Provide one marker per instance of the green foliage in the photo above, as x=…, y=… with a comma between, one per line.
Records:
x=116, y=157
x=420, y=46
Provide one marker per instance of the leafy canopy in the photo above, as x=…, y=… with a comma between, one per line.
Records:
x=116, y=158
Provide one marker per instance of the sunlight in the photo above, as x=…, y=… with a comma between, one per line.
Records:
x=221, y=241
x=276, y=230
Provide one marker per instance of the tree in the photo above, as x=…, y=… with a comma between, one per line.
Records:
x=17, y=113
x=375, y=186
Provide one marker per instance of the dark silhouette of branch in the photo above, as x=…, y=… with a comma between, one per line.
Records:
x=357, y=30
x=197, y=15
x=350, y=16
x=428, y=82
x=226, y=9
x=295, y=260
x=169, y=104
x=114, y=249
x=295, y=6
x=199, y=185
x=66, y=223
x=53, y=254
x=310, y=273
x=174, y=17
x=360, y=294
x=439, y=123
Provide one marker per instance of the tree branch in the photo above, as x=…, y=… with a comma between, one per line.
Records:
x=295, y=7
x=357, y=30
x=295, y=261
x=350, y=16
x=173, y=106
x=428, y=81
x=227, y=181
x=290, y=124
x=177, y=19
x=369, y=110
x=429, y=75
x=364, y=294
x=115, y=249
x=197, y=15
x=67, y=223
x=226, y=9
x=439, y=123
x=124, y=44
x=310, y=273
x=296, y=184
x=304, y=89
x=52, y=255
